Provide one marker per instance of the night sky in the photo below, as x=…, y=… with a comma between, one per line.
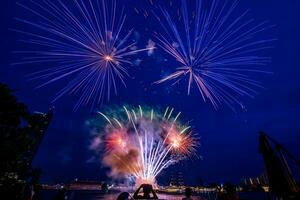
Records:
x=229, y=141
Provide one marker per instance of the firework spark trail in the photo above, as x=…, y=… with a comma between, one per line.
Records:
x=79, y=41
x=216, y=51
x=159, y=140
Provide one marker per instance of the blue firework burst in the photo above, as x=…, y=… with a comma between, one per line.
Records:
x=216, y=50
x=81, y=41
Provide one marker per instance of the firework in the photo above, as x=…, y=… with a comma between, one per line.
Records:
x=215, y=50
x=145, y=142
x=81, y=42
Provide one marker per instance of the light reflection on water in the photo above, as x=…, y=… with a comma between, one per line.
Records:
x=95, y=196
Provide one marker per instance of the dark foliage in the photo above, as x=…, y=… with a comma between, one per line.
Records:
x=20, y=135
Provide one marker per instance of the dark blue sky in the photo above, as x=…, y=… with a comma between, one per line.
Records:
x=229, y=141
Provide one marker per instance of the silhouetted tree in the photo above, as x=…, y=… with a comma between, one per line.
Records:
x=20, y=135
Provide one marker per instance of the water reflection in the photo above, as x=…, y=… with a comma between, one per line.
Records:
x=98, y=196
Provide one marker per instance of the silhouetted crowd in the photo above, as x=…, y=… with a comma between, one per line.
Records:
x=149, y=193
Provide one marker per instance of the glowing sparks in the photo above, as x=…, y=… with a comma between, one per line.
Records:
x=116, y=140
x=81, y=42
x=151, y=47
x=145, y=143
x=181, y=143
x=176, y=142
x=108, y=58
x=215, y=51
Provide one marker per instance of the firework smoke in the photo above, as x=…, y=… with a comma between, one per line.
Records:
x=141, y=143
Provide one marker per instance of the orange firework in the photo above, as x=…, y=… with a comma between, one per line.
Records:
x=116, y=140
x=181, y=143
x=141, y=143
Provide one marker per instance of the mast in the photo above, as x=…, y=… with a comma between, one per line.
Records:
x=281, y=180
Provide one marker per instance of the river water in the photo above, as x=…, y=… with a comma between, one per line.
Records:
x=96, y=195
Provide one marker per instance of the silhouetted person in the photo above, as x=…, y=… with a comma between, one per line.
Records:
x=123, y=196
x=188, y=193
x=147, y=190
x=230, y=193
x=61, y=194
x=36, y=193
x=28, y=192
